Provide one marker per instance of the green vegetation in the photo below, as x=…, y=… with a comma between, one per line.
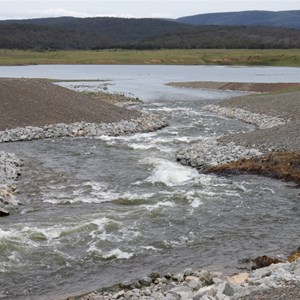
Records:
x=273, y=57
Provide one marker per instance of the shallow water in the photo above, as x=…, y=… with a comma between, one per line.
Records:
x=98, y=211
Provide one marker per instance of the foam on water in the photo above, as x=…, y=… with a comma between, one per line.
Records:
x=158, y=205
x=4, y=234
x=169, y=173
x=117, y=253
x=196, y=203
x=92, y=192
x=39, y=233
x=100, y=223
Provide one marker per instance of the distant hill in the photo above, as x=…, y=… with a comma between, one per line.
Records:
x=290, y=19
x=119, y=29
x=68, y=33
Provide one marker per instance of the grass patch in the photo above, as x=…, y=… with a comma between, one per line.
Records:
x=274, y=57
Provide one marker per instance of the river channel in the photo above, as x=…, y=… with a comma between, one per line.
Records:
x=97, y=211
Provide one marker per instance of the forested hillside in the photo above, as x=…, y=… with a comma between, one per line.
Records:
x=227, y=37
x=290, y=19
x=68, y=33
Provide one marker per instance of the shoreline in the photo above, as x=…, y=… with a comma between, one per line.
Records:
x=226, y=57
x=204, y=285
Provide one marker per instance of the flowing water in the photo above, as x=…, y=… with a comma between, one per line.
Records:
x=97, y=211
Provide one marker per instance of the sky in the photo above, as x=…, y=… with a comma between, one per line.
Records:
x=25, y=9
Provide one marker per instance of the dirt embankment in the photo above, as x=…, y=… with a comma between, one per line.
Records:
x=30, y=102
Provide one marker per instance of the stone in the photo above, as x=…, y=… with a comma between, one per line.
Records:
x=118, y=295
x=238, y=279
x=126, y=284
x=4, y=212
x=206, y=277
x=154, y=275
x=181, y=292
x=147, y=292
x=145, y=281
x=165, y=288
x=193, y=282
x=128, y=294
x=297, y=273
x=178, y=277
x=261, y=273
x=224, y=288
x=203, y=292
x=188, y=272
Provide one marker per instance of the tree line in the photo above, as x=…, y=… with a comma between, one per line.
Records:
x=107, y=33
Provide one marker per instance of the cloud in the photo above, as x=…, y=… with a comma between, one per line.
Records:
x=59, y=12
x=56, y=12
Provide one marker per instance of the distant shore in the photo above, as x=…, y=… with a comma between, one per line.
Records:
x=226, y=57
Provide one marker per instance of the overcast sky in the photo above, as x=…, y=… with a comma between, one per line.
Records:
x=21, y=9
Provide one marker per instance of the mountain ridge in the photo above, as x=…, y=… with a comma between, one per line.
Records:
x=288, y=18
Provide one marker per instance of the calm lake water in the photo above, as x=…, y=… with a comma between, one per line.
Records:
x=102, y=210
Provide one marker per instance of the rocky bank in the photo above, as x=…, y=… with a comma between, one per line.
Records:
x=202, y=285
x=30, y=105
x=271, y=149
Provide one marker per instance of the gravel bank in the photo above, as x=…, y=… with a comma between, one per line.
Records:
x=281, y=138
x=275, y=115
x=29, y=102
